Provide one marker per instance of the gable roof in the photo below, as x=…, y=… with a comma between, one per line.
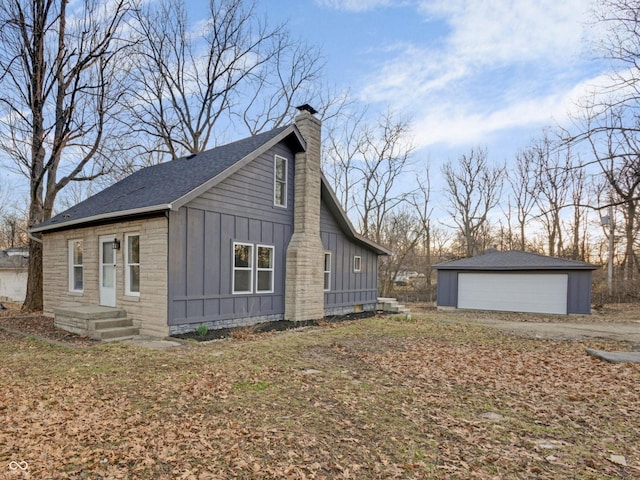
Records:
x=169, y=185
x=514, y=260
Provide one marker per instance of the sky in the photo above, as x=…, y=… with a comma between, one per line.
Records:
x=490, y=73
x=468, y=73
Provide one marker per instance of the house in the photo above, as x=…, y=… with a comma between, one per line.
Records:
x=13, y=274
x=244, y=233
x=515, y=281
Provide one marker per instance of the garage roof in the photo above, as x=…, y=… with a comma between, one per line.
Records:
x=514, y=260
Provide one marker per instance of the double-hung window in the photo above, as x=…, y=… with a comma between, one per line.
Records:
x=132, y=265
x=76, y=266
x=264, y=267
x=280, y=181
x=252, y=261
x=327, y=271
x=242, y=267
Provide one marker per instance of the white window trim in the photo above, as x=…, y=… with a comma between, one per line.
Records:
x=258, y=269
x=71, y=265
x=275, y=180
x=127, y=274
x=357, y=263
x=327, y=272
x=250, y=268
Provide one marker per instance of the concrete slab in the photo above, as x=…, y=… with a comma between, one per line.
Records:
x=622, y=332
x=615, y=357
x=90, y=312
x=152, y=343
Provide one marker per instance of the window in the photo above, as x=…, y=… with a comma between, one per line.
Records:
x=132, y=265
x=264, y=267
x=357, y=263
x=242, y=267
x=327, y=271
x=280, y=181
x=76, y=268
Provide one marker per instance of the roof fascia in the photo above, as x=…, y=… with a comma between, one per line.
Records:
x=520, y=268
x=102, y=216
x=212, y=182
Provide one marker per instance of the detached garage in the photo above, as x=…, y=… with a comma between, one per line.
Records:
x=516, y=281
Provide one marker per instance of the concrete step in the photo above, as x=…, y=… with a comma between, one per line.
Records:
x=391, y=305
x=111, y=323
x=116, y=333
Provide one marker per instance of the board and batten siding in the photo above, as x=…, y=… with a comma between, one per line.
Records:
x=201, y=237
x=348, y=288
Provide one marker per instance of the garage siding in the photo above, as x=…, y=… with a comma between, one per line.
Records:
x=579, y=292
x=447, y=288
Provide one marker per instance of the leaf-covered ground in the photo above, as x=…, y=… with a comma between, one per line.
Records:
x=376, y=398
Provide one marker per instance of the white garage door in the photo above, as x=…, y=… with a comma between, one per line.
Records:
x=513, y=292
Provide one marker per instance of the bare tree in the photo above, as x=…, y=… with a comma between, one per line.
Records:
x=193, y=81
x=59, y=84
x=610, y=119
x=366, y=163
x=473, y=189
x=342, y=147
x=616, y=150
x=290, y=77
x=386, y=153
x=522, y=181
x=402, y=230
x=553, y=169
x=423, y=210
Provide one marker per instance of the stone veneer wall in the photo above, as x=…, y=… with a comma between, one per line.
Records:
x=304, y=296
x=149, y=310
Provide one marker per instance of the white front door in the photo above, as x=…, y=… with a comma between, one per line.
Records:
x=107, y=272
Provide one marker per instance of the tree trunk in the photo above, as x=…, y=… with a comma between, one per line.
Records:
x=631, y=215
x=33, y=300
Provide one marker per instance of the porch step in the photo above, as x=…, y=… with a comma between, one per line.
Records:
x=116, y=333
x=113, y=329
x=99, y=323
x=105, y=323
x=391, y=305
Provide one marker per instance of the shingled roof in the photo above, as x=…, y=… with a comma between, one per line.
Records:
x=170, y=185
x=514, y=260
x=167, y=186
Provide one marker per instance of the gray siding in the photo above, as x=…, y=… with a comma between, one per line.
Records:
x=447, y=288
x=579, y=292
x=201, y=236
x=578, y=287
x=347, y=287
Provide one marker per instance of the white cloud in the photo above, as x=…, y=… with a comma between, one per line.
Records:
x=355, y=5
x=468, y=124
x=514, y=31
x=413, y=73
x=503, y=64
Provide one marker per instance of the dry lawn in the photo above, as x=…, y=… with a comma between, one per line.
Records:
x=371, y=399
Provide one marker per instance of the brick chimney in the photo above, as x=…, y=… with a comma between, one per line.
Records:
x=304, y=295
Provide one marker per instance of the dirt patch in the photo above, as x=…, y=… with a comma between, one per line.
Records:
x=14, y=322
